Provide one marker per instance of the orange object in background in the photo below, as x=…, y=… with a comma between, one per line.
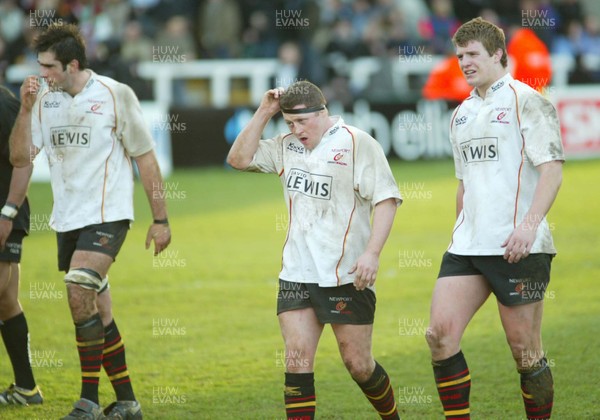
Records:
x=447, y=82
x=531, y=65
x=531, y=59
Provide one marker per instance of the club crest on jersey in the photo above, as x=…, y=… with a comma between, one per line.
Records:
x=338, y=156
x=483, y=149
x=70, y=136
x=95, y=108
x=500, y=118
x=311, y=185
x=337, y=159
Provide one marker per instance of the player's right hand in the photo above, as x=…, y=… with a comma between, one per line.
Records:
x=29, y=89
x=270, y=101
x=366, y=268
x=519, y=242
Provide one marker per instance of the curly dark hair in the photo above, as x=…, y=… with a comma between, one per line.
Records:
x=65, y=41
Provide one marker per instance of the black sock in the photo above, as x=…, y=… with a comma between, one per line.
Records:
x=15, y=334
x=380, y=394
x=114, y=363
x=90, y=342
x=299, y=395
x=453, y=381
x=537, y=389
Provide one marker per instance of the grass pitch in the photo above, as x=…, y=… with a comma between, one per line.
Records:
x=199, y=321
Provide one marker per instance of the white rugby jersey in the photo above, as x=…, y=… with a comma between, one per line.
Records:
x=497, y=142
x=89, y=139
x=330, y=193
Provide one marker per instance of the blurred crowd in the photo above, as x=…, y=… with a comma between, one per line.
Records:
x=312, y=39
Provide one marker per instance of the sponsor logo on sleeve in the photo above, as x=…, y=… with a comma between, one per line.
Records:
x=70, y=136
x=295, y=148
x=461, y=120
x=51, y=104
x=483, y=149
x=309, y=184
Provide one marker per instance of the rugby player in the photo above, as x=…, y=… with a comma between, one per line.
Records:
x=334, y=177
x=508, y=160
x=90, y=127
x=14, y=226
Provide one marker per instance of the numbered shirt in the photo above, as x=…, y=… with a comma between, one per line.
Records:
x=497, y=143
x=89, y=139
x=330, y=193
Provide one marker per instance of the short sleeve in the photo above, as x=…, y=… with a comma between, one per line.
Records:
x=458, y=163
x=373, y=178
x=132, y=129
x=267, y=156
x=541, y=130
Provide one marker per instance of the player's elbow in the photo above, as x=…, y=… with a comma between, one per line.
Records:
x=237, y=162
x=19, y=160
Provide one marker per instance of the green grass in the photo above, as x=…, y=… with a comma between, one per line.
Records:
x=216, y=292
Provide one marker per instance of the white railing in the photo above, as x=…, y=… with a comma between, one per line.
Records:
x=220, y=73
x=260, y=74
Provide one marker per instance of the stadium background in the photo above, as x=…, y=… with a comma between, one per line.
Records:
x=199, y=321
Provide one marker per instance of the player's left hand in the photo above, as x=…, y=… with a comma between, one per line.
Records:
x=366, y=270
x=5, y=229
x=161, y=235
x=519, y=243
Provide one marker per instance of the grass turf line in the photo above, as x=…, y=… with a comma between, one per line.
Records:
x=200, y=328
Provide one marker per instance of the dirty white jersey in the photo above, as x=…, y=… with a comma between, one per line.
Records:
x=89, y=139
x=330, y=193
x=497, y=143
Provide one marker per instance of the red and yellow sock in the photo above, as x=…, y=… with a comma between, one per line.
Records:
x=115, y=364
x=453, y=381
x=299, y=395
x=537, y=389
x=90, y=341
x=380, y=394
